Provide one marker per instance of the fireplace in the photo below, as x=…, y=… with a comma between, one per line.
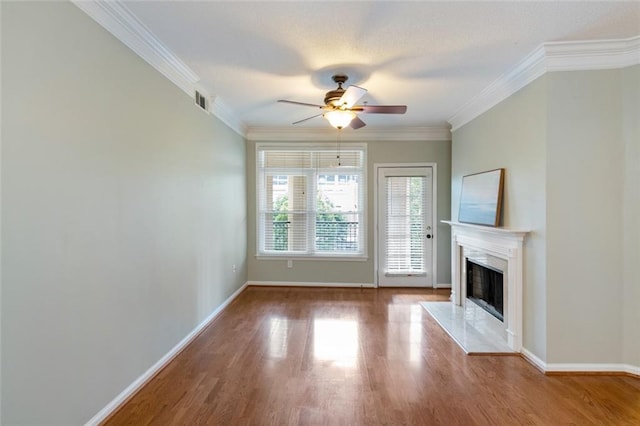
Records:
x=486, y=270
x=485, y=287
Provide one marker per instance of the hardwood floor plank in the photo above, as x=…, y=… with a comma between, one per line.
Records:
x=309, y=356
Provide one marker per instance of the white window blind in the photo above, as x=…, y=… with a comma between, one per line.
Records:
x=311, y=201
x=405, y=224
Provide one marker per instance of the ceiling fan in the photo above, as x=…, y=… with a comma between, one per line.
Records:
x=340, y=106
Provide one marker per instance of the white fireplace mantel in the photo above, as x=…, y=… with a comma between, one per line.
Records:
x=503, y=243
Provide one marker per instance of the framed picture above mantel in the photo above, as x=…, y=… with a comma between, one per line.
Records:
x=481, y=198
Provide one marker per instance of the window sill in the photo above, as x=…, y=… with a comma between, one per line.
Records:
x=303, y=257
x=405, y=274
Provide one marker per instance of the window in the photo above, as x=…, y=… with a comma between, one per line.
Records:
x=311, y=201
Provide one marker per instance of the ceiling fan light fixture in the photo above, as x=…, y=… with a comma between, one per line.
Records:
x=340, y=105
x=339, y=118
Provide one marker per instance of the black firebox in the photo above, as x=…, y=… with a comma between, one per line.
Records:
x=484, y=287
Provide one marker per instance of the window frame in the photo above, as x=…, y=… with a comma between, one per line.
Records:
x=313, y=181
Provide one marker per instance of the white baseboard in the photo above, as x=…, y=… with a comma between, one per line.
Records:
x=632, y=369
x=578, y=367
x=321, y=284
x=112, y=406
x=592, y=368
x=533, y=359
x=309, y=284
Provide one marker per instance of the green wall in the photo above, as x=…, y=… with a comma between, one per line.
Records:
x=631, y=214
x=123, y=211
x=361, y=272
x=585, y=175
x=570, y=144
x=511, y=135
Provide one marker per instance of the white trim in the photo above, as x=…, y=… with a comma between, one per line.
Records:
x=122, y=23
x=442, y=285
x=222, y=111
x=311, y=146
x=328, y=145
x=292, y=257
x=592, y=368
x=489, y=230
x=592, y=54
x=309, y=284
x=505, y=244
x=434, y=214
x=526, y=71
x=328, y=134
x=550, y=57
x=632, y=369
x=137, y=384
x=116, y=18
x=376, y=166
x=577, y=367
x=434, y=223
x=533, y=359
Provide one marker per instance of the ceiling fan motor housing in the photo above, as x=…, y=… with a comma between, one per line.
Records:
x=333, y=96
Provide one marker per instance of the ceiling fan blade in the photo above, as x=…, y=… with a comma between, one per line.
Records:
x=300, y=103
x=356, y=123
x=351, y=96
x=381, y=109
x=308, y=118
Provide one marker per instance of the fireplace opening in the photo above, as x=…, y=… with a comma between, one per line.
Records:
x=485, y=289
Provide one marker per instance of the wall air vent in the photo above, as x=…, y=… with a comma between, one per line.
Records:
x=201, y=101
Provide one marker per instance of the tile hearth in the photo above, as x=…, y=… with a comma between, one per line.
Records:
x=471, y=327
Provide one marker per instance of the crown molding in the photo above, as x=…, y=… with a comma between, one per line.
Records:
x=527, y=70
x=116, y=18
x=550, y=57
x=592, y=55
x=327, y=133
x=222, y=111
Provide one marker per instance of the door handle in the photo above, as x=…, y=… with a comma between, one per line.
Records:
x=428, y=235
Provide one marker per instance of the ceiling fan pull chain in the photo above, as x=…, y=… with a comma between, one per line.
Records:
x=338, y=154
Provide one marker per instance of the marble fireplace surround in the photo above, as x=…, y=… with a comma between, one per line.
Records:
x=503, y=243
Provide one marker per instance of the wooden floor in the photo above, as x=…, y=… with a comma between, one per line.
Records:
x=296, y=356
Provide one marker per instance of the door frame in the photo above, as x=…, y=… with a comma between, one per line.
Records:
x=434, y=216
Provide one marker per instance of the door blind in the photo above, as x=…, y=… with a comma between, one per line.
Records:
x=405, y=224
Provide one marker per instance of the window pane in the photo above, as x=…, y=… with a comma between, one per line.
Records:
x=276, y=228
x=338, y=192
x=336, y=229
x=285, y=232
x=337, y=232
x=286, y=224
x=307, y=205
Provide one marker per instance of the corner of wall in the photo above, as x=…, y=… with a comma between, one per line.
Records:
x=631, y=215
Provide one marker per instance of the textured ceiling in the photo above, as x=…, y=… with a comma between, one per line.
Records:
x=431, y=56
